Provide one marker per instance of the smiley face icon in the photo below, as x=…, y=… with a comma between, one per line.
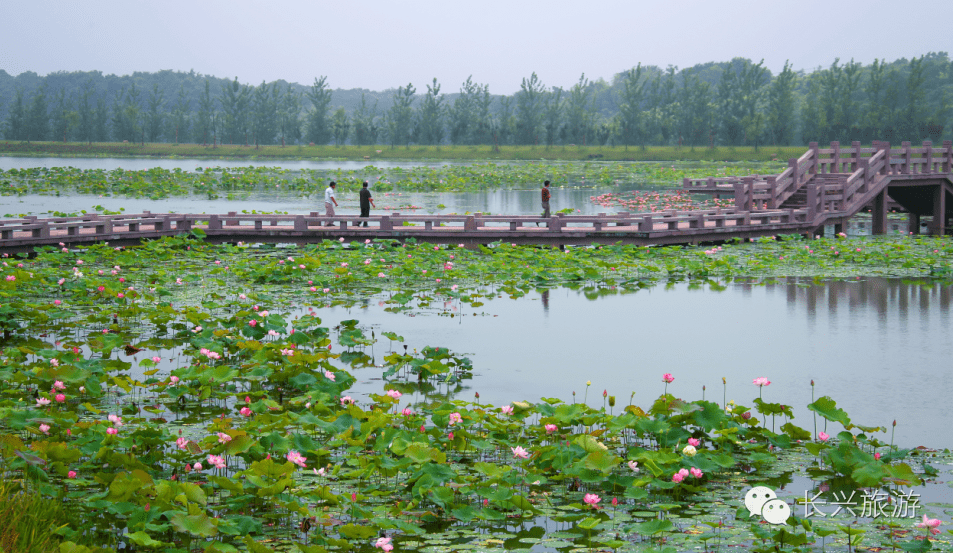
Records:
x=775, y=511
x=757, y=497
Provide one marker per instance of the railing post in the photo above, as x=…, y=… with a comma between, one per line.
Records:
x=646, y=224
x=814, y=158
x=885, y=148
x=772, y=183
x=854, y=159
x=183, y=224
x=749, y=192
x=906, y=157
x=948, y=157
x=740, y=195
x=792, y=164
x=387, y=224
x=812, y=202
x=231, y=222
x=214, y=223
x=835, y=157
x=928, y=156
x=300, y=224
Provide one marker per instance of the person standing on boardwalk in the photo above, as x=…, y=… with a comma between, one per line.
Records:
x=366, y=202
x=328, y=199
x=545, y=198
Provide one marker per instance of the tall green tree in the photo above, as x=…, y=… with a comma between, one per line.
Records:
x=235, y=100
x=530, y=106
x=204, y=117
x=553, y=115
x=630, y=107
x=340, y=126
x=694, y=113
x=579, y=112
x=126, y=115
x=265, y=113
x=86, y=112
x=365, y=123
x=318, y=128
x=289, y=120
x=482, y=132
x=180, y=116
x=461, y=114
x=430, y=116
x=16, y=118
x=64, y=118
x=813, y=115
x=400, y=118
x=504, y=129
x=38, y=117
x=155, y=115
x=915, y=112
x=101, y=120
x=782, y=108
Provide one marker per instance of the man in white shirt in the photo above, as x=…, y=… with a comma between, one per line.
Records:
x=328, y=199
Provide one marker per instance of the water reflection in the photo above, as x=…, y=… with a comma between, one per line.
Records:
x=877, y=346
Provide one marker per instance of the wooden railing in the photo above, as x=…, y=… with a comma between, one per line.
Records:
x=862, y=168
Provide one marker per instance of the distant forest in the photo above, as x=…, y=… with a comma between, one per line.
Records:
x=738, y=102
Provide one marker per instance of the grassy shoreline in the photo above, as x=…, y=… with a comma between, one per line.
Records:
x=388, y=153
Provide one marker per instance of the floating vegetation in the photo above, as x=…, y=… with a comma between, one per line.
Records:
x=183, y=396
x=213, y=182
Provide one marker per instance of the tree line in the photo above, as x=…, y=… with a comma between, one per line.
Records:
x=739, y=102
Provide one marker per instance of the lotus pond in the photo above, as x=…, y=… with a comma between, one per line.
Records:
x=181, y=396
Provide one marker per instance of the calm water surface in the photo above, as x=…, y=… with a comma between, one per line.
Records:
x=881, y=348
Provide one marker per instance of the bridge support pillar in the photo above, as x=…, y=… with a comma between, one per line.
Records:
x=913, y=223
x=938, y=226
x=879, y=212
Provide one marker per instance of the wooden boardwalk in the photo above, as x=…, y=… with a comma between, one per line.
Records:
x=822, y=187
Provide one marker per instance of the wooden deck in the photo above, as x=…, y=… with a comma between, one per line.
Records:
x=822, y=187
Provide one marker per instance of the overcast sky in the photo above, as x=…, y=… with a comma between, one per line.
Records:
x=384, y=44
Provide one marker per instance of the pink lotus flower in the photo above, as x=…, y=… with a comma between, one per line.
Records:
x=677, y=477
x=876, y=456
x=112, y=431
x=182, y=443
x=347, y=400
x=384, y=544
x=196, y=466
x=519, y=452
x=455, y=418
x=822, y=436
x=156, y=359
x=697, y=473
x=245, y=412
x=591, y=499
x=216, y=461
x=173, y=380
x=329, y=375
x=550, y=428
x=930, y=523
x=45, y=428
x=396, y=395
x=634, y=466
x=223, y=438
x=668, y=378
x=296, y=458
x=42, y=402
x=115, y=419
x=253, y=322
x=761, y=381
x=71, y=474
x=507, y=410
x=694, y=442
x=407, y=412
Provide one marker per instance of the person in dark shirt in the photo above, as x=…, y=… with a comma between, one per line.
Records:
x=546, y=195
x=366, y=202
